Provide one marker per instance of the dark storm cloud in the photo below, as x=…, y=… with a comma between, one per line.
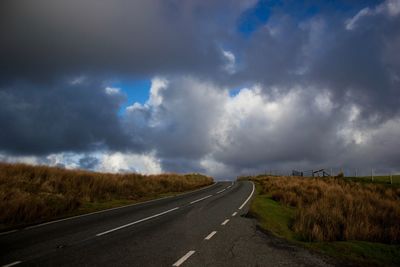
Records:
x=44, y=43
x=182, y=165
x=179, y=125
x=45, y=39
x=59, y=117
x=89, y=162
x=323, y=82
x=303, y=132
x=273, y=56
x=358, y=64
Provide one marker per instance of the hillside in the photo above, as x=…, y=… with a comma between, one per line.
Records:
x=33, y=194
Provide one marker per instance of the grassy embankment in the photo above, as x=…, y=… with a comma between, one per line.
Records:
x=34, y=194
x=349, y=220
x=382, y=179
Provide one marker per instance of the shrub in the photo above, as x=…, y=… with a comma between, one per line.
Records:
x=330, y=209
x=31, y=194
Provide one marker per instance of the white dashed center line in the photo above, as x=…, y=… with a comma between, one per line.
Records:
x=12, y=264
x=225, y=222
x=220, y=191
x=184, y=258
x=234, y=214
x=197, y=200
x=138, y=221
x=210, y=235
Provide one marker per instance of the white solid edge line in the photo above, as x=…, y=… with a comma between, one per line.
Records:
x=184, y=258
x=8, y=232
x=101, y=211
x=247, y=200
x=225, y=222
x=12, y=264
x=136, y=222
x=210, y=235
x=200, y=199
x=234, y=214
x=220, y=191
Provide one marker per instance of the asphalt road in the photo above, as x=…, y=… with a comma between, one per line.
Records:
x=201, y=228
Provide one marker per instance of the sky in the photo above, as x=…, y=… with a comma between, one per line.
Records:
x=225, y=88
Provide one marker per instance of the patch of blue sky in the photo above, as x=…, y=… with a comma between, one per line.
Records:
x=236, y=90
x=309, y=12
x=304, y=10
x=346, y=5
x=254, y=17
x=259, y=14
x=137, y=90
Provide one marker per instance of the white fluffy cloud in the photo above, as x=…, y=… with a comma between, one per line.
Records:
x=129, y=162
x=189, y=124
x=195, y=125
x=230, y=65
x=311, y=91
x=112, y=90
x=389, y=8
x=103, y=161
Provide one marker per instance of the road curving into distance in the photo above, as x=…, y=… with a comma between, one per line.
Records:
x=200, y=228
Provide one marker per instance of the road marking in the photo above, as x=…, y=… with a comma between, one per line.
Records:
x=12, y=264
x=220, y=191
x=234, y=214
x=247, y=200
x=225, y=222
x=126, y=206
x=83, y=215
x=136, y=222
x=184, y=258
x=210, y=235
x=200, y=199
x=8, y=232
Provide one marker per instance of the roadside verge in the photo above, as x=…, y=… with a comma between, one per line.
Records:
x=278, y=219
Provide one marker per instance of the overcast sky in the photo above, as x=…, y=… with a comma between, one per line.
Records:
x=222, y=87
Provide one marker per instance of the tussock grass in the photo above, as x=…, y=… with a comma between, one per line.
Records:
x=30, y=194
x=384, y=179
x=329, y=209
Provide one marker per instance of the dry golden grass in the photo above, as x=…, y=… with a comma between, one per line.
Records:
x=31, y=194
x=331, y=209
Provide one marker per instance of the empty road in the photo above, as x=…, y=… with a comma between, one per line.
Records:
x=200, y=228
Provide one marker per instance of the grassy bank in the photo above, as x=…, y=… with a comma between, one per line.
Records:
x=382, y=179
x=33, y=194
x=356, y=222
